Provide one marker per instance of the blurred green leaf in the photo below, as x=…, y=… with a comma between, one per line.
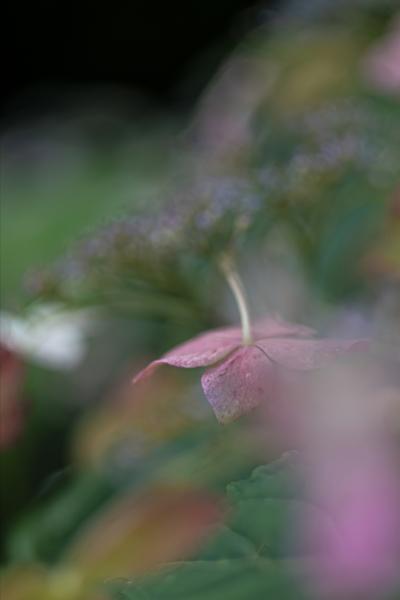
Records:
x=43, y=534
x=237, y=562
x=231, y=579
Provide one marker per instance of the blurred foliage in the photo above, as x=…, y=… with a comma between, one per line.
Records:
x=318, y=154
x=253, y=558
x=75, y=172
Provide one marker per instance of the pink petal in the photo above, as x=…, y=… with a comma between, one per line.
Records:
x=202, y=351
x=275, y=327
x=307, y=354
x=238, y=384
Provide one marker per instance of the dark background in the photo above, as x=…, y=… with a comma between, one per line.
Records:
x=165, y=50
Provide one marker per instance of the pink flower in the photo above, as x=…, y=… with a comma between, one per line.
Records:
x=360, y=489
x=240, y=374
x=352, y=473
x=382, y=64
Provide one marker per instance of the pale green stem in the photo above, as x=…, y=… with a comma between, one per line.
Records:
x=234, y=282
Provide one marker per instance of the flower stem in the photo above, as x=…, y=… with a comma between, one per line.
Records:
x=234, y=282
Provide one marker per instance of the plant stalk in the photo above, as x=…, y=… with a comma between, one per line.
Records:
x=235, y=283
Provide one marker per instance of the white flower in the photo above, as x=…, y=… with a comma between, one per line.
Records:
x=48, y=334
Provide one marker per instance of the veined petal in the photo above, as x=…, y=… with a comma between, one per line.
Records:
x=201, y=351
x=276, y=327
x=238, y=384
x=307, y=354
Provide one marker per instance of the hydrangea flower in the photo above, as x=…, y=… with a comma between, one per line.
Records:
x=243, y=361
x=239, y=374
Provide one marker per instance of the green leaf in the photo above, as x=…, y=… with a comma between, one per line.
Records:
x=238, y=562
x=265, y=505
x=227, y=544
x=250, y=579
x=44, y=533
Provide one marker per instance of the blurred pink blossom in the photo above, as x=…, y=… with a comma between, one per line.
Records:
x=354, y=476
x=11, y=403
x=382, y=64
